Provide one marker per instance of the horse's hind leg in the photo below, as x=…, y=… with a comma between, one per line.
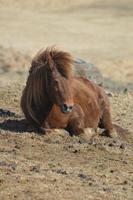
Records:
x=106, y=123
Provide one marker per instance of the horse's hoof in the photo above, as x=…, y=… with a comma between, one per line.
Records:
x=88, y=134
x=45, y=131
x=112, y=134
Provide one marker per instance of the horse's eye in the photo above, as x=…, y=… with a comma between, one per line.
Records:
x=56, y=85
x=56, y=82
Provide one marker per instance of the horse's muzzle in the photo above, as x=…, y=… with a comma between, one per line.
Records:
x=66, y=108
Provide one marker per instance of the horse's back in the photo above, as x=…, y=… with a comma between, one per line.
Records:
x=86, y=95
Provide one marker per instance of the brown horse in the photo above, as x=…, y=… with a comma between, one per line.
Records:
x=54, y=98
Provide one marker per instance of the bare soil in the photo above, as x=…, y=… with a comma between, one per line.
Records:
x=57, y=166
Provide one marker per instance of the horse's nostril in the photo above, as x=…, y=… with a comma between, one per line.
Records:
x=66, y=109
x=70, y=107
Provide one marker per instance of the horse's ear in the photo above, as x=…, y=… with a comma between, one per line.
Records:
x=52, y=67
x=54, y=73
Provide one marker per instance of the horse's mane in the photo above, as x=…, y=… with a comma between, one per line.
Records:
x=62, y=61
x=34, y=101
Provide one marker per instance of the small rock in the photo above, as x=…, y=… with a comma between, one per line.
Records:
x=76, y=151
x=110, y=144
x=13, y=166
x=54, y=180
x=122, y=146
x=70, y=146
x=83, y=176
x=60, y=171
x=125, y=91
x=110, y=94
x=16, y=147
x=1, y=181
x=111, y=171
x=125, y=182
x=107, y=189
x=35, y=168
x=3, y=163
x=125, y=162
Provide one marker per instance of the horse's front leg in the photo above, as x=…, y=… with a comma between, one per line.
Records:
x=45, y=128
x=76, y=123
x=76, y=127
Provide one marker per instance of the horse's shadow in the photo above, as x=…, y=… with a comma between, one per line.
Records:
x=14, y=125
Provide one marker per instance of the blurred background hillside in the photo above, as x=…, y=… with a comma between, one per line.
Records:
x=100, y=31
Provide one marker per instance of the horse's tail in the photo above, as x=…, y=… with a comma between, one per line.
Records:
x=120, y=130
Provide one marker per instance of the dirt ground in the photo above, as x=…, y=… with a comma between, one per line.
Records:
x=58, y=166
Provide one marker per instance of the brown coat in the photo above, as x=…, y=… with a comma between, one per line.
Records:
x=53, y=98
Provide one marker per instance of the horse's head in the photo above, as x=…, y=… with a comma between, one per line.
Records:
x=59, y=80
x=61, y=91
